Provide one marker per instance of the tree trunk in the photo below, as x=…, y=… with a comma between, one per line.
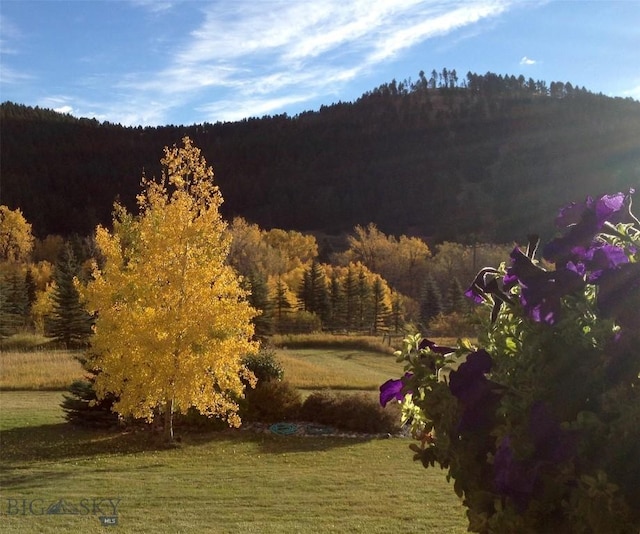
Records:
x=168, y=421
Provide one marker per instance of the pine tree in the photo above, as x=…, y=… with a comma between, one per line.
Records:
x=350, y=292
x=380, y=310
x=430, y=300
x=454, y=298
x=313, y=293
x=396, y=318
x=259, y=298
x=69, y=323
x=364, y=300
x=82, y=407
x=31, y=289
x=336, y=303
x=13, y=303
x=282, y=305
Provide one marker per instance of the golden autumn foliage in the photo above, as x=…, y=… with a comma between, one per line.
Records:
x=16, y=239
x=172, y=320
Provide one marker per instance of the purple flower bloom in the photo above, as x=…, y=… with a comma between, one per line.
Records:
x=467, y=383
x=599, y=258
x=475, y=295
x=393, y=389
x=541, y=290
x=608, y=208
x=478, y=395
x=584, y=222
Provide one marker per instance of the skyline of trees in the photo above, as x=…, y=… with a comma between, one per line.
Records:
x=486, y=158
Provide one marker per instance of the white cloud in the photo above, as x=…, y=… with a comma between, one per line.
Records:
x=249, y=58
x=527, y=61
x=232, y=110
x=64, y=109
x=307, y=48
x=12, y=76
x=155, y=6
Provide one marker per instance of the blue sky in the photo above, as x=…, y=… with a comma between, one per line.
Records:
x=158, y=62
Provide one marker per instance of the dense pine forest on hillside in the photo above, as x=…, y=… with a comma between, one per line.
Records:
x=488, y=158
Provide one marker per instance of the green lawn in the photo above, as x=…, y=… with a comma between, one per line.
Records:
x=231, y=481
x=223, y=482
x=338, y=368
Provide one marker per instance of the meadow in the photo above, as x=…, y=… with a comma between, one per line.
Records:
x=228, y=481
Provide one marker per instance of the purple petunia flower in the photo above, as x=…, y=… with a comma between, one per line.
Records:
x=609, y=207
x=584, y=222
x=541, y=290
x=478, y=395
x=393, y=389
x=468, y=381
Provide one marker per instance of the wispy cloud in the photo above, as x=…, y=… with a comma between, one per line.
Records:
x=248, y=58
x=11, y=76
x=155, y=6
x=527, y=61
x=258, y=59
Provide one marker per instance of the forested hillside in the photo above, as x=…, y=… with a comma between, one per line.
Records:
x=486, y=158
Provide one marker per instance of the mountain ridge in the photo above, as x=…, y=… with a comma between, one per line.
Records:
x=492, y=159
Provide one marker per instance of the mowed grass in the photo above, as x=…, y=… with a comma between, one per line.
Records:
x=38, y=369
x=218, y=482
x=225, y=482
x=337, y=368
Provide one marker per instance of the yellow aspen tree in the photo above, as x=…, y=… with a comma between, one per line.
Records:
x=172, y=322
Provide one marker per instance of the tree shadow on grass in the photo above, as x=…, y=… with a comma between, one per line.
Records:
x=274, y=444
x=62, y=442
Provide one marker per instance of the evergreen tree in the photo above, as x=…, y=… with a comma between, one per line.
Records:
x=282, y=305
x=396, y=318
x=30, y=288
x=313, y=293
x=82, y=407
x=430, y=300
x=69, y=323
x=259, y=299
x=454, y=298
x=305, y=291
x=350, y=292
x=364, y=300
x=14, y=308
x=380, y=310
x=336, y=304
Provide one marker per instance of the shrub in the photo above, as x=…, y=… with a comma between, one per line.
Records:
x=454, y=324
x=264, y=365
x=300, y=322
x=194, y=420
x=353, y=412
x=270, y=402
